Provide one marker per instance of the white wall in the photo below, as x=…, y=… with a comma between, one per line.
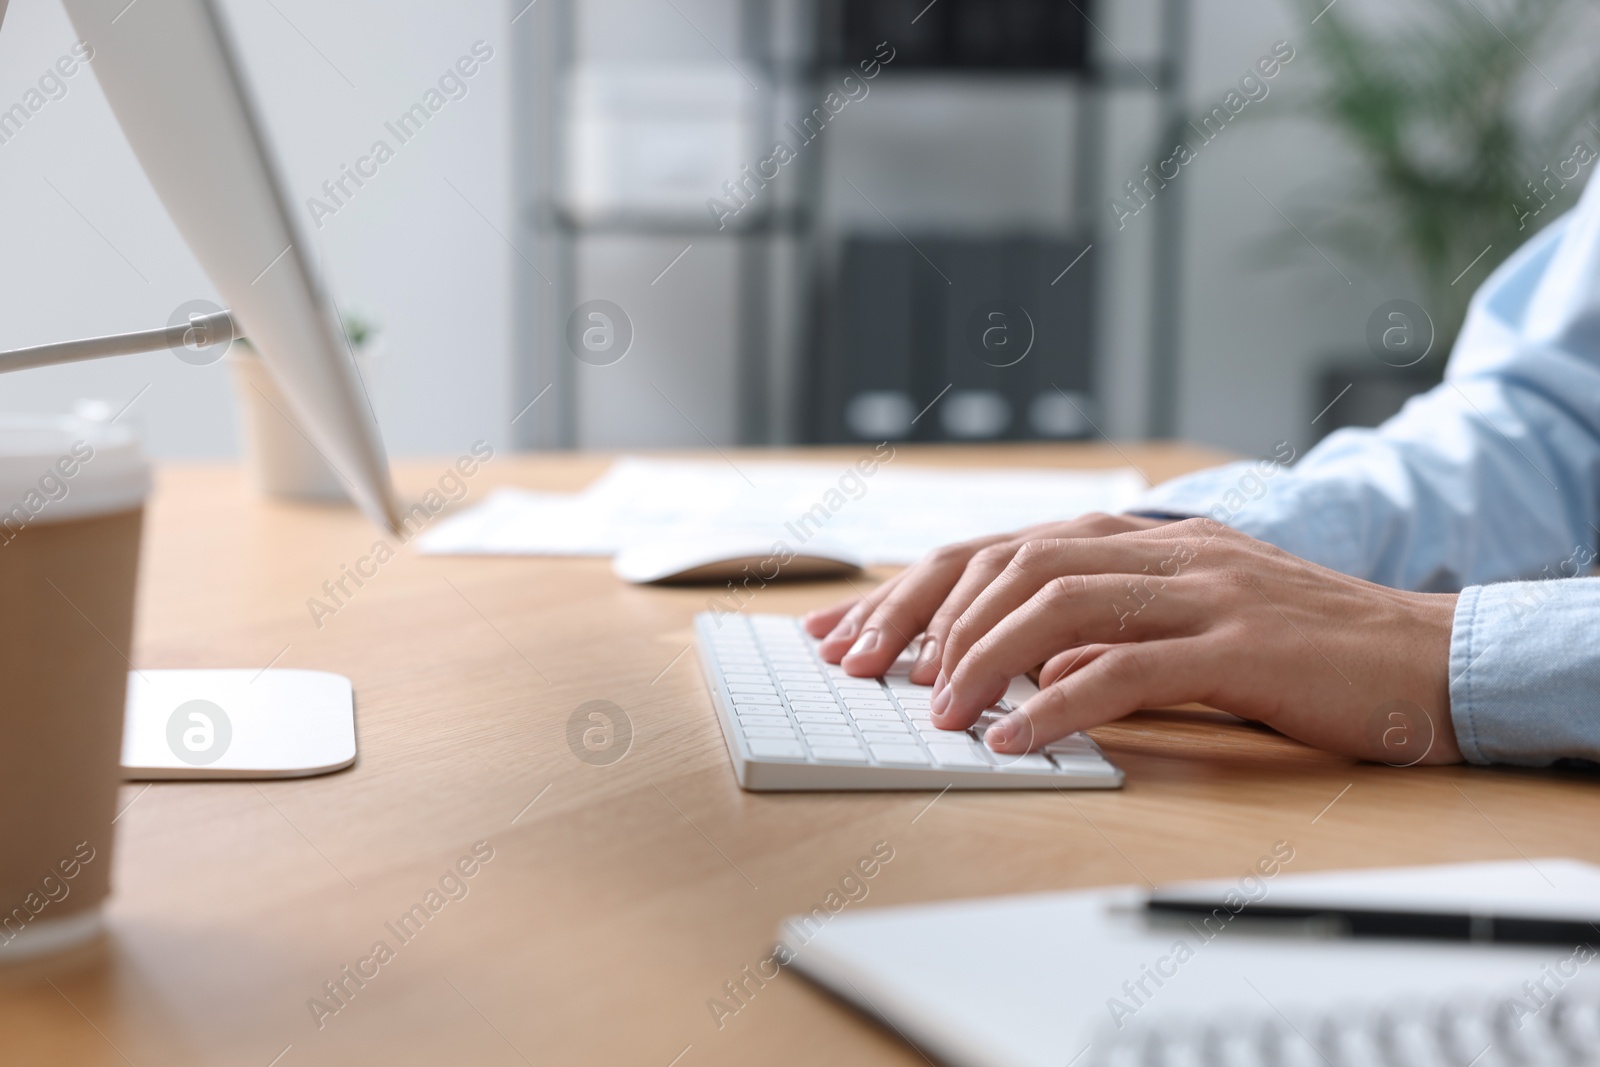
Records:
x=1255, y=327
x=87, y=247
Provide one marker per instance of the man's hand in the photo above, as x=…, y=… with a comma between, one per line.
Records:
x=867, y=633
x=1195, y=611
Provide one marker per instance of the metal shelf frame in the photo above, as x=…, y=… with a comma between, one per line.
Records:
x=544, y=260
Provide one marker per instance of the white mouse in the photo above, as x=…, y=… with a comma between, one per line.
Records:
x=721, y=559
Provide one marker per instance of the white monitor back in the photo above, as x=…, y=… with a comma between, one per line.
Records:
x=171, y=75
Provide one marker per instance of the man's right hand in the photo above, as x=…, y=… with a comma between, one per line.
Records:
x=865, y=634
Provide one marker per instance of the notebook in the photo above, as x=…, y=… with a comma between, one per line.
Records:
x=1084, y=978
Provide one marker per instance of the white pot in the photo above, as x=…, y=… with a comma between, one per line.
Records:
x=282, y=460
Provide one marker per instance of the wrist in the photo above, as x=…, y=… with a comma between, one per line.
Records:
x=1434, y=625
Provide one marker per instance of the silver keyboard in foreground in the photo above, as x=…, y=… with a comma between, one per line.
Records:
x=795, y=722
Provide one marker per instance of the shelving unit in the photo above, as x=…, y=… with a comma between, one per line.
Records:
x=789, y=249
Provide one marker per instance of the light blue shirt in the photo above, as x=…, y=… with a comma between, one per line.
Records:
x=1488, y=484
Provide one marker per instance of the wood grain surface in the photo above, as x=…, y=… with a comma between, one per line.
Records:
x=619, y=899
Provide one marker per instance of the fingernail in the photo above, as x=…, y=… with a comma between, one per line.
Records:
x=999, y=733
x=844, y=631
x=941, y=699
x=929, y=653
x=865, y=643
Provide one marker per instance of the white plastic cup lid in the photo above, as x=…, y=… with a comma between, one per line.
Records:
x=55, y=468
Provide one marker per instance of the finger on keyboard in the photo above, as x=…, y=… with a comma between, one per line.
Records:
x=837, y=641
x=818, y=623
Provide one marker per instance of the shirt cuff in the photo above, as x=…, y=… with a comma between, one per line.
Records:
x=1524, y=681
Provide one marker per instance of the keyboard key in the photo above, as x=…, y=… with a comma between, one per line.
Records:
x=915, y=702
x=1033, y=761
x=874, y=715
x=746, y=676
x=773, y=732
x=805, y=687
x=914, y=692
x=814, y=705
x=756, y=668
x=986, y=720
x=765, y=689
x=906, y=755
x=777, y=749
x=791, y=674
x=962, y=755
x=882, y=728
x=821, y=716
x=838, y=755
x=853, y=701
x=918, y=714
x=823, y=729
x=1081, y=764
x=860, y=687
x=764, y=720
x=756, y=700
x=760, y=714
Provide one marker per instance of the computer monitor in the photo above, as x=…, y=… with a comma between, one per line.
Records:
x=172, y=76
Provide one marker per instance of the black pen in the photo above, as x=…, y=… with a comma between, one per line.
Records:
x=1391, y=922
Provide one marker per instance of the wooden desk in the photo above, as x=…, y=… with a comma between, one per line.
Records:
x=620, y=898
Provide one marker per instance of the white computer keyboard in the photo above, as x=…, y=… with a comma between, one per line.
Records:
x=1422, y=1031
x=793, y=721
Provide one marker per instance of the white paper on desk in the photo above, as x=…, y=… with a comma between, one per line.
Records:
x=1027, y=980
x=894, y=516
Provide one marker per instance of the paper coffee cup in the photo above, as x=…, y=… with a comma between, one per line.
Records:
x=72, y=495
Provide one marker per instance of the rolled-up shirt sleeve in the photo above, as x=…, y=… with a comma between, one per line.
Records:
x=1491, y=477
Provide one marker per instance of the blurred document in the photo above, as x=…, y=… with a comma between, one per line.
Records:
x=893, y=515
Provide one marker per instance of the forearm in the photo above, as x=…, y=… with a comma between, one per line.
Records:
x=1487, y=478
